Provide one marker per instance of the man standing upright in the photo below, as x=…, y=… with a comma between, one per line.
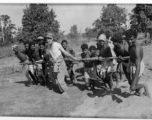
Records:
x=55, y=50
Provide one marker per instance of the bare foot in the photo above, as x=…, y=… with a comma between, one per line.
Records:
x=75, y=81
x=65, y=94
x=38, y=84
x=112, y=88
x=132, y=92
x=70, y=85
x=88, y=88
x=137, y=93
x=146, y=93
x=117, y=85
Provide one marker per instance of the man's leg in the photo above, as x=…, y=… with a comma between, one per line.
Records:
x=136, y=87
x=104, y=78
x=119, y=70
x=128, y=75
x=109, y=81
x=32, y=73
x=33, y=77
x=40, y=67
x=117, y=80
x=87, y=80
x=61, y=81
x=69, y=77
x=27, y=75
x=115, y=73
x=73, y=77
x=43, y=78
x=92, y=83
x=62, y=74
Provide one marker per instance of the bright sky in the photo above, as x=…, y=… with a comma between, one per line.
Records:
x=83, y=15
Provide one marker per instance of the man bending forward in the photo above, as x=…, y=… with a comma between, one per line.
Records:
x=54, y=49
x=136, y=64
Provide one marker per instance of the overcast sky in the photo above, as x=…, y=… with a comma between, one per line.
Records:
x=83, y=15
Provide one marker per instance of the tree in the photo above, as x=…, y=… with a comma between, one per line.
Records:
x=61, y=34
x=90, y=33
x=111, y=19
x=37, y=21
x=141, y=18
x=7, y=29
x=73, y=32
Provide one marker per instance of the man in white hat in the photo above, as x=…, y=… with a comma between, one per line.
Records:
x=55, y=50
x=105, y=51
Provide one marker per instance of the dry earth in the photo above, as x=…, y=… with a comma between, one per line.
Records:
x=17, y=99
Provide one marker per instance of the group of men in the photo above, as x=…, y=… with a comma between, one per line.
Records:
x=56, y=61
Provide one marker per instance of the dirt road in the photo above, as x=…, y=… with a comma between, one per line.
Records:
x=17, y=99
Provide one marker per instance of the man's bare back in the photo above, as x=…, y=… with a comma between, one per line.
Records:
x=136, y=52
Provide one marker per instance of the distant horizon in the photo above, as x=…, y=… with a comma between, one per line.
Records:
x=82, y=15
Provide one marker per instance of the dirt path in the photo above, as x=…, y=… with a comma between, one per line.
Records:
x=19, y=100
x=119, y=103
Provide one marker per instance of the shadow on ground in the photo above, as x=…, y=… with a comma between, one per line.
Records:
x=49, y=86
x=116, y=91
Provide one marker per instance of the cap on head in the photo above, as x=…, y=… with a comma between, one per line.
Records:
x=40, y=38
x=49, y=35
x=14, y=46
x=123, y=36
x=102, y=37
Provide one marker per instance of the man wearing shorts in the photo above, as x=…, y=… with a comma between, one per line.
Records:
x=55, y=50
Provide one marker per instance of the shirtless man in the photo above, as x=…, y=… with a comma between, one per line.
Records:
x=36, y=68
x=42, y=53
x=55, y=50
x=89, y=67
x=136, y=63
x=121, y=49
x=69, y=63
x=23, y=56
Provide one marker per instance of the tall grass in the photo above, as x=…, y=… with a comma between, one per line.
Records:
x=6, y=51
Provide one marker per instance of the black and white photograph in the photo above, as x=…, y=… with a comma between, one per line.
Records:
x=76, y=60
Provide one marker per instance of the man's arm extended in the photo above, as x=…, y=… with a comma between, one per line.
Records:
x=72, y=52
x=65, y=52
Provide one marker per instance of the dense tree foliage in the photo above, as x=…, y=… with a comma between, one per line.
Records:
x=90, y=33
x=111, y=19
x=36, y=21
x=73, y=33
x=141, y=17
x=6, y=29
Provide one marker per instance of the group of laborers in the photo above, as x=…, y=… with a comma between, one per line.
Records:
x=53, y=62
